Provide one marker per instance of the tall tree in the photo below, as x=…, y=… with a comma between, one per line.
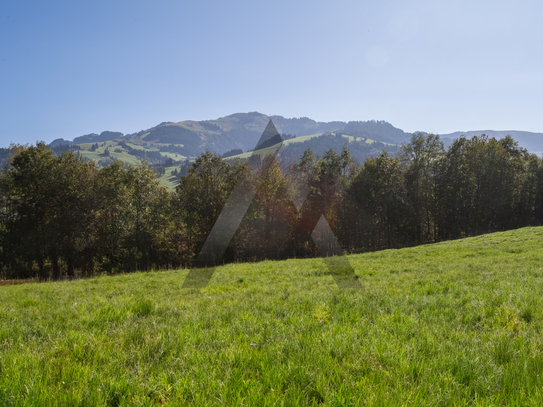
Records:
x=420, y=159
x=201, y=194
x=381, y=203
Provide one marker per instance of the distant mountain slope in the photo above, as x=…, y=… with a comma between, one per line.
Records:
x=89, y=138
x=377, y=130
x=359, y=147
x=239, y=130
x=304, y=126
x=187, y=139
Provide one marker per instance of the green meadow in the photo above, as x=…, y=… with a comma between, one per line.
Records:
x=449, y=324
x=169, y=181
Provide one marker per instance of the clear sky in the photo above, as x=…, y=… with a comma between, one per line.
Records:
x=77, y=67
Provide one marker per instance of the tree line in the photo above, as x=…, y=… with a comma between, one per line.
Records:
x=62, y=216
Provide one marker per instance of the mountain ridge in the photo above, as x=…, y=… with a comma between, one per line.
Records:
x=240, y=130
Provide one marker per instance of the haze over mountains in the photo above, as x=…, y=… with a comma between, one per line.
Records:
x=241, y=130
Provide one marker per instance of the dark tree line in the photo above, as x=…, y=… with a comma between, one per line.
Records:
x=319, y=145
x=62, y=216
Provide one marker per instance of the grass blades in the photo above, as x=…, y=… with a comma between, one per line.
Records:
x=451, y=324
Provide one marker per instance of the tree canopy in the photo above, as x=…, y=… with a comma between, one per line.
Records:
x=63, y=216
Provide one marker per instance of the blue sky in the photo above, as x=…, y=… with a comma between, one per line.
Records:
x=77, y=67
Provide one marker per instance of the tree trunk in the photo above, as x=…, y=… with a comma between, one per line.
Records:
x=56, y=270
x=70, y=264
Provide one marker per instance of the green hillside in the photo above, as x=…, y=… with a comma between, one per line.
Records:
x=359, y=147
x=189, y=138
x=169, y=180
x=450, y=324
x=309, y=142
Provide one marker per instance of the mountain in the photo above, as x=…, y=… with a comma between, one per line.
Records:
x=377, y=130
x=88, y=138
x=239, y=130
x=187, y=139
x=182, y=141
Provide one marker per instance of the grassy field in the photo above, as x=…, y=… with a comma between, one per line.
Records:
x=169, y=181
x=450, y=324
x=124, y=156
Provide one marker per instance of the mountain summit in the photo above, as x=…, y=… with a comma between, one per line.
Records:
x=239, y=131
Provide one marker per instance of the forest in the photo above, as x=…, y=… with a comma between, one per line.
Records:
x=62, y=216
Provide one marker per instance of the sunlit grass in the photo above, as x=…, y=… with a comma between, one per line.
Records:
x=455, y=323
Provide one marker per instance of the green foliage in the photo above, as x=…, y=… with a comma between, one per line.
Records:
x=40, y=190
x=61, y=212
x=62, y=216
x=201, y=195
x=428, y=194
